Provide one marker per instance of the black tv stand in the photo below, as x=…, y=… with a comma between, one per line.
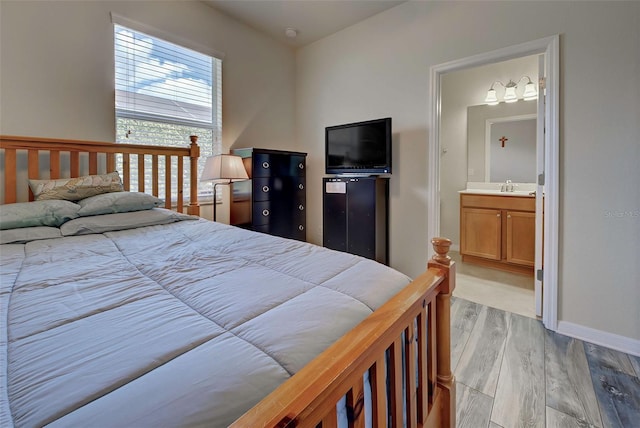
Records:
x=356, y=215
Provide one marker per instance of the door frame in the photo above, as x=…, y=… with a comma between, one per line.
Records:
x=550, y=48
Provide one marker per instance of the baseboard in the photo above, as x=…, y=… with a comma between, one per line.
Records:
x=599, y=337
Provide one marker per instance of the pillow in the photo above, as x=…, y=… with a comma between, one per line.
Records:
x=74, y=189
x=122, y=221
x=26, y=234
x=37, y=213
x=117, y=202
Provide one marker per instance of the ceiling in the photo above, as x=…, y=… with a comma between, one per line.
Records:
x=313, y=19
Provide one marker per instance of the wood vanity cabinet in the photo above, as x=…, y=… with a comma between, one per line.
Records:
x=498, y=231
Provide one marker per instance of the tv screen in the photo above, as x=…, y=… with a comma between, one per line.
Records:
x=359, y=148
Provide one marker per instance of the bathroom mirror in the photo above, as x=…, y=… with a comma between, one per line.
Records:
x=501, y=142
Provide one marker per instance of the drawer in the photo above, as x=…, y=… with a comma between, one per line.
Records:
x=269, y=188
x=278, y=165
x=299, y=232
x=299, y=185
x=275, y=212
x=518, y=203
x=299, y=209
x=270, y=165
x=263, y=212
x=292, y=231
x=279, y=188
x=298, y=165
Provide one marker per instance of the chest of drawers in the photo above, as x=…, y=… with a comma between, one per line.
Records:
x=273, y=200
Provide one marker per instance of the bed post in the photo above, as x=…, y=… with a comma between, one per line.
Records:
x=194, y=206
x=445, y=377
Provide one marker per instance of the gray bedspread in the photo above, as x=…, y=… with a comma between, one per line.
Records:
x=186, y=324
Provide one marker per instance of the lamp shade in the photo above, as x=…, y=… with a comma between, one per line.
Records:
x=224, y=167
x=492, y=98
x=510, y=95
x=530, y=92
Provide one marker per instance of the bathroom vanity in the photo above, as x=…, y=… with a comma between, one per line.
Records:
x=497, y=229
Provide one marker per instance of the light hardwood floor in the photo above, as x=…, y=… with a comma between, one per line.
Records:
x=512, y=372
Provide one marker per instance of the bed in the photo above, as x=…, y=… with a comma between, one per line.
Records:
x=130, y=310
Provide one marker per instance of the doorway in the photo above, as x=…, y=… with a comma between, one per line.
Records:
x=483, y=147
x=547, y=170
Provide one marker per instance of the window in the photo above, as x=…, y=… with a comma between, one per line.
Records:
x=164, y=94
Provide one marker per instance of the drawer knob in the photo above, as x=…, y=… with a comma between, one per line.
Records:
x=265, y=213
x=265, y=189
x=301, y=165
x=509, y=216
x=301, y=207
x=265, y=165
x=301, y=186
x=497, y=215
x=300, y=227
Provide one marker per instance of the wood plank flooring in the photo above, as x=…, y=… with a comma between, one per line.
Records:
x=512, y=372
x=479, y=367
x=568, y=389
x=520, y=396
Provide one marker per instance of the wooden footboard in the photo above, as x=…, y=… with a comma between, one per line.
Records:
x=405, y=348
x=48, y=158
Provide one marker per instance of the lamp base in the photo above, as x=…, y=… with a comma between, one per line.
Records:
x=215, y=200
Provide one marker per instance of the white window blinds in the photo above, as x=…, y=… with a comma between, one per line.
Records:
x=164, y=93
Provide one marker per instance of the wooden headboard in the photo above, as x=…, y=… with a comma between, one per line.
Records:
x=91, y=157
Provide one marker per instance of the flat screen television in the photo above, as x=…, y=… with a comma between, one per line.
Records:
x=362, y=148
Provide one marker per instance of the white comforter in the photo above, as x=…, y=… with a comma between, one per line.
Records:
x=187, y=324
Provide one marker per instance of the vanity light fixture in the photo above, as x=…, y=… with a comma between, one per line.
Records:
x=510, y=94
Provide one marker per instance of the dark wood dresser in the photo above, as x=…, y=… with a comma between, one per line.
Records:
x=273, y=200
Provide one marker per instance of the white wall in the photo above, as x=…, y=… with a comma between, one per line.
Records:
x=380, y=67
x=57, y=73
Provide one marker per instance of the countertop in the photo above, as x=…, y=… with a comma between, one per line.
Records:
x=521, y=193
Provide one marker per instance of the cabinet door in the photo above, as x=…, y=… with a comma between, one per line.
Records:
x=480, y=234
x=521, y=244
x=361, y=217
x=334, y=219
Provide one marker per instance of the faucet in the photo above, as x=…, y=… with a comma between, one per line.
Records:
x=507, y=186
